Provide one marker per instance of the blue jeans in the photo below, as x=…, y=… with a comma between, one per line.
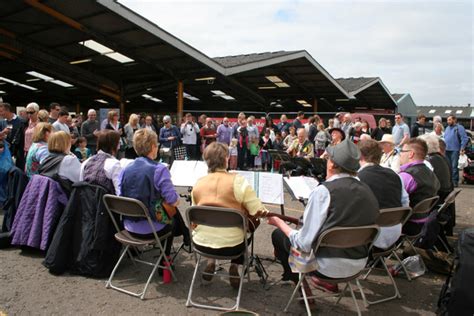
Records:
x=453, y=157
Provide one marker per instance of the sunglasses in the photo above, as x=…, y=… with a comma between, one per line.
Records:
x=31, y=113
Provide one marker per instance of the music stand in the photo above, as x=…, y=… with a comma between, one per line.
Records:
x=280, y=155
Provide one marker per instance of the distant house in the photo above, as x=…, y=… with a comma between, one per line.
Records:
x=464, y=114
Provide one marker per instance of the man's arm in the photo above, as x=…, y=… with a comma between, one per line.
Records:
x=406, y=135
x=314, y=216
x=463, y=136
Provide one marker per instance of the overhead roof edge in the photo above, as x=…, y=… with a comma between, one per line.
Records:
x=371, y=83
x=281, y=59
x=144, y=23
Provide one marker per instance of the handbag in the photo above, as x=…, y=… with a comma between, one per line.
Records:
x=302, y=262
x=179, y=152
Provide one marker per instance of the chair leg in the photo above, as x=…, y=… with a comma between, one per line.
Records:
x=189, y=302
x=354, y=298
x=298, y=285
x=395, y=287
x=362, y=294
x=109, y=281
x=342, y=293
x=372, y=266
x=446, y=247
x=403, y=265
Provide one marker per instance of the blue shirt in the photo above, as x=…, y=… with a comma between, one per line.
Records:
x=168, y=132
x=399, y=131
x=455, y=137
x=224, y=134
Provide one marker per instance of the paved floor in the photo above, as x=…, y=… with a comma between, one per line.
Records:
x=26, y=287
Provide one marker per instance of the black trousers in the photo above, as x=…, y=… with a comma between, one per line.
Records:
x=191, y=151
x=242, y=153
x=164, y=231
x=282, y=246
x=226, y=251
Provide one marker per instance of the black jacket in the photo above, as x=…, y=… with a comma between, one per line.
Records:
x=84, y=240
x=17, y=182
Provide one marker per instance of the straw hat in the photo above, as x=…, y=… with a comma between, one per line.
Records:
x=387, y=138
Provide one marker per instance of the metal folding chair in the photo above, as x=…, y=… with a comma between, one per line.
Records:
x=388, y=217
x=135, y=208
x=217, y=217
x=447, y=202
x=341, y=238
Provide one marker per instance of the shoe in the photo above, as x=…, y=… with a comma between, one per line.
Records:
x=211, y=268
x=325, y=286
x=234, y=277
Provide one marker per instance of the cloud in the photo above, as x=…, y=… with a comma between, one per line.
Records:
x=421, y=47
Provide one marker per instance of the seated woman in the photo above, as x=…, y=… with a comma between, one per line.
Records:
x=222, y=189
x=103, y=168
x=39, y=148
x=61, y=165
x=149, y=182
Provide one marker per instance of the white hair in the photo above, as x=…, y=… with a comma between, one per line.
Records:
x=91, y=111
x=437, y=118
x=34, y=106
x=432, y=141
x=167, y=118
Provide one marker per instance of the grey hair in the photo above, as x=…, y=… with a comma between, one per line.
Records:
x=166, y=118
x=33, y=106
x=432, y=142
x=91, y=111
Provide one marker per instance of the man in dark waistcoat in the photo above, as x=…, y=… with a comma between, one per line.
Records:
x=419, y=181
x=385, y=184
x=342, y=200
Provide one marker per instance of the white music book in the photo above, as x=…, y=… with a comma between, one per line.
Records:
x=185, y=173
x=301, y=187
x=267, y=185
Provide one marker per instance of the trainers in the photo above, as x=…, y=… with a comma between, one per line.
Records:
x=210, y=269
x=234, y=277
x=325, y=286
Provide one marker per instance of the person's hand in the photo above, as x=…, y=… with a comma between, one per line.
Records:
x=6, y=131
x=95, y=132
x=171, y=138
x=275, y=221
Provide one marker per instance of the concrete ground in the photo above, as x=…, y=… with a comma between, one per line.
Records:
x=26, y=287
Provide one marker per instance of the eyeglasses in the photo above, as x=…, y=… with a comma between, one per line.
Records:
x=166, y=122
x=405, y=150
x=31, y=113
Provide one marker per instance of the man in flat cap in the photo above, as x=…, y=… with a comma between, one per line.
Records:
x=342, y=200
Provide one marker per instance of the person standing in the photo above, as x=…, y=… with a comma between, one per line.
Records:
x=380, y=130
x=54, y=109
x=61, y=122
x=456, y=140
x=129, y=129
x=283, y=125
x=90, y=130
x=224, y=132
x=297, y=124
x=149, y=123
x=401, y=131
x=346, y=125
x=190, y=131
x=208, y=133
x=419, y=127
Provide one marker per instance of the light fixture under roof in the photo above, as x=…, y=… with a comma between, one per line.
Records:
x=80, y=61
x=190, y=97
x=49, y=79
x=222, y=94
x=205, y=79
x=267, y=87
x=277, y=81
x=33, y=79
x=149, y=97
x=101, y=101
x=16, y=83
x=2, y=92
x=304, y=103
x=106, y=51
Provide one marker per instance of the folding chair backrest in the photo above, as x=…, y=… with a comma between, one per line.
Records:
x=449, y=200
x=347, y=237
x=393, y=216
x=216, y=217
x=125, y=206
x=426, y=205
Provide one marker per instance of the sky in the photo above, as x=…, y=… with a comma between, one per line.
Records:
x=425, y=48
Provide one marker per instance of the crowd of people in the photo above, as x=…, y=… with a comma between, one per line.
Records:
x=365, y=170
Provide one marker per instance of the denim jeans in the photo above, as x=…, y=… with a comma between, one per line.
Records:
x=453, y=157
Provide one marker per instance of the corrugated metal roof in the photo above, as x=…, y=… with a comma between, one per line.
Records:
x=354, y=84
x=398, y=96
x=237, y=60
x=445, y=111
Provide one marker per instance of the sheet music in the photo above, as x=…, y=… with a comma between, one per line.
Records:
x=270, y=188
x=250, y=176
x=301, y=187
x=185, y=173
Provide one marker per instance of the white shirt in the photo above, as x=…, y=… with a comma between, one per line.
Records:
x=314, y=216
x=58, y=126
x=189, y=132
x=70, y=168
x=392, y=161
x=112, y=168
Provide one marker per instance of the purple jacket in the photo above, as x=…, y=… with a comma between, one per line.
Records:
x=38, y=212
